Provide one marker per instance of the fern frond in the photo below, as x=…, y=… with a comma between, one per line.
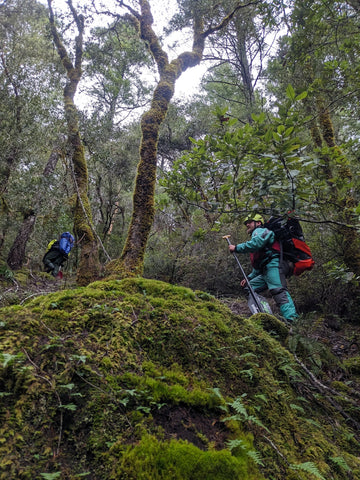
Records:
x=239, y=407
x=288, y=369
x=308, y=467
x=254, y=455
x=262, y=397
x=256, y=421
x=235, y=443
x=247, y=355
x=238, y=418
x=248, y=372
x=341, y=463
x=312, y=422
x=296, y=407
x=217, y=392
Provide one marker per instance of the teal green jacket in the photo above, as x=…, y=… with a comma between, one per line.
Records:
x=260, y=243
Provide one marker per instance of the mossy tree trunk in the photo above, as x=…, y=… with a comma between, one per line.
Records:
x=131, y=260
x=89, y=266
x=336, y=168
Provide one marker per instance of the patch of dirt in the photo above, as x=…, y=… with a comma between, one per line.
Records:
x=186, y=423
x=22, y=287
x=239, y=305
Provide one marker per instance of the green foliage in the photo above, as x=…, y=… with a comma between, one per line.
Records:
x=115, y=57
x=340, y=273
x=6, y=272
x=261, y=166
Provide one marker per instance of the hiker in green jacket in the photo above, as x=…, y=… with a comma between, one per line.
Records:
x=267, y=271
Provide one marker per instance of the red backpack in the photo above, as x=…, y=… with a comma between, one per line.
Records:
x=291, y=243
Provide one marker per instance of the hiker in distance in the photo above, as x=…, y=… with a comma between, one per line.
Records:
x=57, y=253
x=268, y=272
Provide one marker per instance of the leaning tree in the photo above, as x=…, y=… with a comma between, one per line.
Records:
x=89, y=264
x=205, y=19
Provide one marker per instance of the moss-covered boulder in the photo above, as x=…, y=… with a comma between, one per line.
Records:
x=138, y=379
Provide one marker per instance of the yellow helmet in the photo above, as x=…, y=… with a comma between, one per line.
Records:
x=256, y=218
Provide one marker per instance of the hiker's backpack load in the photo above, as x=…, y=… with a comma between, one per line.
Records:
x=53, y=244
x=293, y=247
x=66, y=243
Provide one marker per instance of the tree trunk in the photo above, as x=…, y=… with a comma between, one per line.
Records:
x=245, y=67
x=89, y=265
x=16, y=256
x=351, y=239
x=131, y=260
x=323, y=133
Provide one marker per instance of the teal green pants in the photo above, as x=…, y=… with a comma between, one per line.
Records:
x=274, y=278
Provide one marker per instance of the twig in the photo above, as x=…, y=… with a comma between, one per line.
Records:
x=322, y=386
x=324, y=389
x=33, y=295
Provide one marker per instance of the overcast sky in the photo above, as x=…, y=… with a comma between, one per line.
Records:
x=188, y=83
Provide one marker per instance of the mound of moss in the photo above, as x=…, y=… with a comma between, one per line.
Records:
x=138, y=379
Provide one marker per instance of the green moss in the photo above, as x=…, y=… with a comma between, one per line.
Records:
x=352, y=365
x=272, y=325
x=118, y=374
x=179, y=460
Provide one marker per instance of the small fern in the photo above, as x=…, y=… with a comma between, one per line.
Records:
x=262, y=397
x=256, y=421
x=297, y=407
x=50, y=476
x=340, y=462
x=308, y=467
x=249, y=372
x=313, y=422
x=239, y=407
x=235, y=443
x=253, y=454
x=242, y=414
x=289, y=371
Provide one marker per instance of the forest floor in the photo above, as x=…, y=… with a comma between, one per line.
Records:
x=340, y=338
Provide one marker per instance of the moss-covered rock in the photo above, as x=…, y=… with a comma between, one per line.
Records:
x=136, y=379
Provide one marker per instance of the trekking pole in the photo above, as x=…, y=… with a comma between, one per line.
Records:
x=251, y=290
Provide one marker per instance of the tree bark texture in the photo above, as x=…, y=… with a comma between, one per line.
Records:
x=245, y=71
x=131, y=260
x=351, y=239
x=89, y=265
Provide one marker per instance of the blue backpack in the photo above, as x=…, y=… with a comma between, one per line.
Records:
x=66, y=243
